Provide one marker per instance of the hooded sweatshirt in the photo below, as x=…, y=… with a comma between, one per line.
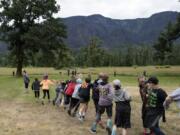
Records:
x=106, y=94
x=121, y=95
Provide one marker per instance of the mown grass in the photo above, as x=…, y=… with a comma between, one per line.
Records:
x=12, y=89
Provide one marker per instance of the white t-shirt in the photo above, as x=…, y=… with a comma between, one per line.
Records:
x=175, y=95
x=76, y=91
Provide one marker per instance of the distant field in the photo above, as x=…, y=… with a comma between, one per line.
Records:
x=131, y=71
x=21, y=115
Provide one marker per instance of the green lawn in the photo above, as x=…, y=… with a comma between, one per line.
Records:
x=11, y=91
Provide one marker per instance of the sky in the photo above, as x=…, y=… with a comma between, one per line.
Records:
x=116, y=9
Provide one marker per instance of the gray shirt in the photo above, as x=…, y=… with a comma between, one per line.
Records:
x=121, y=95
x=106, y=94
x=26, y=78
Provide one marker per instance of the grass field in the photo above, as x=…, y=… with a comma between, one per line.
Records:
x=21, y=115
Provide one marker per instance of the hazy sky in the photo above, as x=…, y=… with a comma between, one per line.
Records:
x=119, y=9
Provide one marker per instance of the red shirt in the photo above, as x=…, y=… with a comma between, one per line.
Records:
x=70, y=88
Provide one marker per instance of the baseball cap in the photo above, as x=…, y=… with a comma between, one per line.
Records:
x=117, y=82
x=153, y=80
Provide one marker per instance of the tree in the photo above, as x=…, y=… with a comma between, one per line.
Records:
x=164, y=45
x=92, y=55
x=29, y=27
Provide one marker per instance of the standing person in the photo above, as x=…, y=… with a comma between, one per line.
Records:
x=155, y=108
x=69, y=91
x=75, y=100
x=105, y=104
x=123, y=109
x=84, y=94
x=143, y=90
x=95, y=91
x=36, y=88
x=45, y=87
x=26, y=80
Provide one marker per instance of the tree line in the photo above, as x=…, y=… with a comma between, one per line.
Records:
x=95, y=55
x=36, y=38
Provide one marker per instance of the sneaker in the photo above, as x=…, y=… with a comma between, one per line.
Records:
x=74, y=114
x=92, y=131
x=81, y=119
x=108, y=130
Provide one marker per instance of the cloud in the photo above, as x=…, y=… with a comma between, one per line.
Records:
x=119, y=9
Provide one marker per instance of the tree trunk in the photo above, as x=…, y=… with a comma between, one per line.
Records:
x=19, y=69
x=19, y=58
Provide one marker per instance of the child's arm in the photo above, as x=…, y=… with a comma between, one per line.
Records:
x=110, y=94
x=127, y=96
x=53, y=82
x=167, y=102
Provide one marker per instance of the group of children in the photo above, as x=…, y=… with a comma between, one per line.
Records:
x=75, y=95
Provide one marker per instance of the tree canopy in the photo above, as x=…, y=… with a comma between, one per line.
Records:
x=29, y=27
x=164, y=45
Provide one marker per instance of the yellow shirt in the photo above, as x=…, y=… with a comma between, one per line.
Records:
x=45, y=84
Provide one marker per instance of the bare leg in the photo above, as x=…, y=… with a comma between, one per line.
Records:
x=124, y=131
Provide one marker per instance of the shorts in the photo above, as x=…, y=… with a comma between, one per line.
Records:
x=84, y=100
x=108, y=110
x=123, y=116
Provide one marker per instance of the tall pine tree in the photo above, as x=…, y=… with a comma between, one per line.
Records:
x=28, y=26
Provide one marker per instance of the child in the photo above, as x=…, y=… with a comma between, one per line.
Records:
x=84, y=94
x=105, y=104
x=123, y=109
x=59, y=93
x=174, y=96
x=26, y=80
x=155, y=109
x=36, y=87
x=143, y=90
x=95, y=92
x=75, y=102
x=69, y=91
x=45, y=87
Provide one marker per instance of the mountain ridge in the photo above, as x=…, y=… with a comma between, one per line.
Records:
x=114, y=32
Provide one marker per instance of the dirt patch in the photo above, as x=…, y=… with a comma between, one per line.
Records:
x=34, y=119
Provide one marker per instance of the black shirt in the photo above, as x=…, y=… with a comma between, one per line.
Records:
x=156, y=98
